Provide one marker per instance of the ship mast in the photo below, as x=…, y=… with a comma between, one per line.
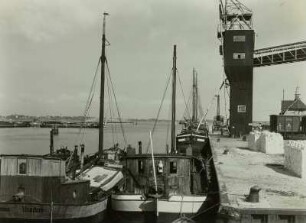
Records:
x=218, y=105
x=173, y=101
x=101, y=115
x=195, y=96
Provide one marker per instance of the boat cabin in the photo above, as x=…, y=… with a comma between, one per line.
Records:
x=175, y=175
x=191, y=144
x=32, y=179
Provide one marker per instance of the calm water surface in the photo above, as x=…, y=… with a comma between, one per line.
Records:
x=37, y=140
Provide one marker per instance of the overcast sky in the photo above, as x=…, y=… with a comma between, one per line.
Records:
x=50, y=48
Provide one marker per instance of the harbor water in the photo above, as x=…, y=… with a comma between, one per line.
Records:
x=37, y=140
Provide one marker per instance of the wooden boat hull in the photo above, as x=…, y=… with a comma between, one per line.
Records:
x=134, y=208
x=37, y=212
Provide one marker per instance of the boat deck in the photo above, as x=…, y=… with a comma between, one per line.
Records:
x=281, y=191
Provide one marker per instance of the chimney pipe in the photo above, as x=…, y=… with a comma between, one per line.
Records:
x=51, y=143
x=82, y=155
x=75, y=159
x=140, y=147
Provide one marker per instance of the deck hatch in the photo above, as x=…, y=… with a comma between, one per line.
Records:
x=286, y=219
x=22, y=166
x=173, y=167
x=259, y=218
x=140, y=166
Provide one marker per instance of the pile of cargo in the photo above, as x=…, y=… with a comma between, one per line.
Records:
x=266, y=142
x=253, y=141
x=271, y=143
x=295, y=157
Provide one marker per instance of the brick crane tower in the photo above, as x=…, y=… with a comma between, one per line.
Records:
x=237, y=38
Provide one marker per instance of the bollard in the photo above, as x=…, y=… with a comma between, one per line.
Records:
x=254, y=194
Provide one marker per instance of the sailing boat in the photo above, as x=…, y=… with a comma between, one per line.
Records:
x=195, y=133
x=37, y=189
x=160, y=187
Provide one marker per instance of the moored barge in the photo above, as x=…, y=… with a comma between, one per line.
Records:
x=36, y=189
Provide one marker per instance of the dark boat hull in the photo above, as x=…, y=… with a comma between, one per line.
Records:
x=30, y=213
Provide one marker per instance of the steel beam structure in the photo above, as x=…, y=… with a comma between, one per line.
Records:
x=237, y=39
x=288, y=53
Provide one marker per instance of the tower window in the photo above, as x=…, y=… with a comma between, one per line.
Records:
x=239, y=38
x=241, y=108
x=239, y=56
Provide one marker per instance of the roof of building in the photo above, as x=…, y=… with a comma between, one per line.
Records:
x=293, y=105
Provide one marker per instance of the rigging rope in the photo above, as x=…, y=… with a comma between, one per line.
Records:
x=118, y=112
x=110, y=108
x=204, y=117
x=88, y=104
x=224, y=93
x=225, y=103
x=188, y=105
x=188, y=112
x=200, y=106
x=159, y=109
x=209, y=106
x=207, y=209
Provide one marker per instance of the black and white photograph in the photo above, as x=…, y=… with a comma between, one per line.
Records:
x=152, y=111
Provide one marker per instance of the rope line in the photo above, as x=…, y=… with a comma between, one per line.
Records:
x=88, y=104
x=110, y=108
x=159, y=109
x=202, y=212
x=186, y=106
x=116, y=103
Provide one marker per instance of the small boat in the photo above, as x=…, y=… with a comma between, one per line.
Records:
x=178, y=190
x=161, y=187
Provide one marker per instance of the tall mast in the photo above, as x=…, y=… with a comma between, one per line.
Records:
x=101, y=115
x=173, y=101
x=218, y=105
x=195, y=96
